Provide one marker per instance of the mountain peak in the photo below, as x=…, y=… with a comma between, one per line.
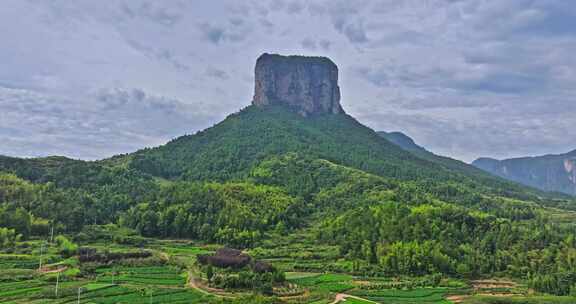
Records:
x=309, y=85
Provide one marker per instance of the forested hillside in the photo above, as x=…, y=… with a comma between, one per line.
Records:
x=256, y=146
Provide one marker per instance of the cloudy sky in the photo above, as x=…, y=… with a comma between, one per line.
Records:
x=465, y=78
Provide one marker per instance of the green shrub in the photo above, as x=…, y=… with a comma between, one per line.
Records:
x=65, y=246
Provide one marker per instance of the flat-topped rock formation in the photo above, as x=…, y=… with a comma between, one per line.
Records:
x=309, y=85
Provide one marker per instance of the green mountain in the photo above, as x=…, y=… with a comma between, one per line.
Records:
x=548, y=172
x=294, y=163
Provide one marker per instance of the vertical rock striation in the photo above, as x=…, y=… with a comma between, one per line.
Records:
x=308, y=85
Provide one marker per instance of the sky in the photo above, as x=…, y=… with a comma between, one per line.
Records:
x=90, y=79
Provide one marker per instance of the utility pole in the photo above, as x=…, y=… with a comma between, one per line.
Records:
x=57, y=282
x=41, y=253
x=79, y=291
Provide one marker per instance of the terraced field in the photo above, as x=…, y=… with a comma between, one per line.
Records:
x=131, y=285
x=163, y=278
x=347, y=284
x=394, y=296
x=18, y=261
x=122, y=282
x=157, y=276
x=336, y=283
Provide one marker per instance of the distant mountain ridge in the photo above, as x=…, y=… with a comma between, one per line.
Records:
x=553, y=172
x=404, y=141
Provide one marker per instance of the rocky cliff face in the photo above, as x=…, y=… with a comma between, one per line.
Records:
x=309, y=85
x=548, y=172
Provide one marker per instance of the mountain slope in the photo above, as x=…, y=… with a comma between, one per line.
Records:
x=548, y=172
x=234, y=147
x=231, y=149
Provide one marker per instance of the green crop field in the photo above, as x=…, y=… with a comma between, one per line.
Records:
x=325, y=282
x=142, y=275
x=146, y=280
x=520, y=300
x=392, y=296
x=164, y=276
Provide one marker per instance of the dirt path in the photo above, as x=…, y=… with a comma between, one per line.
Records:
x=193, y=283
x=493, y=283
x=53, y=270
x=457, y=298
x=341, y=297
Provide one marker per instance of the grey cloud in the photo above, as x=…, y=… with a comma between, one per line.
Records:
x=309, y=44
x=217, y=73
x=154, y=11
x=325, y=44
x=290, y=7
x=161, y=54
x=108, y=122
x=355, y=32
x=294, y=7
x=118, y=99
x=548, y=18
x=495, y=133
x=489, y=77
x=236, y=21
x=313, y=44
x=266, y=23
x=213, y=33
x=506, y=82
x=217, y=34
x=345, y=18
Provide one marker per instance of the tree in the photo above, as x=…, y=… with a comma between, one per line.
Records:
x=209, y=273
x=65, y=246
x=8, y=238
